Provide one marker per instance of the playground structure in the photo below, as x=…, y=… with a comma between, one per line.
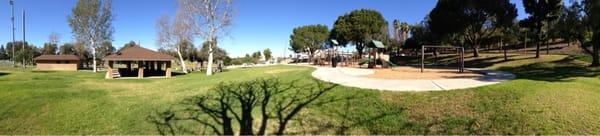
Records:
x=375, y=54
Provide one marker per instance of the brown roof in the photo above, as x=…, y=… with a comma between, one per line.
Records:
x=56, y=57
x=136, y=53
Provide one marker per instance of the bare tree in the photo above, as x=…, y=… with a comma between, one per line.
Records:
x=170, y=35
x=53, y=38
x=210, y=19
x=91, y=24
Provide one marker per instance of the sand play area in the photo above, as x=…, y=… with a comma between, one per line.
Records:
x=407, y=73
x=410, y=78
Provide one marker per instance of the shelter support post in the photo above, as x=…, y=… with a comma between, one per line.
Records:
x=168, y=69
x=109, y=71
x=140, y=69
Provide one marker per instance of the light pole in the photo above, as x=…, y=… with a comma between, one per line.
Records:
x=23, y=43
x=12, y=5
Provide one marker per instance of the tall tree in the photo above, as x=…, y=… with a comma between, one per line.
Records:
x=471, y=20
x=592, y=10
x=218, y=53
x=542, y=13
x=211, y=20
x=129, y=44
x=267, y=53
x=3, y=54
x=256, y=56
x=359, y=27
x=49, y=49
x=82, y=52
x=91, y=24
x=169, y=35
x=308, y=39
x=66, y=49
x=105, y=49
x=53, y=38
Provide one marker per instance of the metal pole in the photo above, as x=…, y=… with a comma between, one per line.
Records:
x=462, y=60
x=23, y=31
x=422, y=58
x=23, y=44
x=525, y=44
x=12, y=9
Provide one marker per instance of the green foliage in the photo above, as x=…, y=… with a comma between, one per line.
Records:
x=267, y=52
x=471, y=20
x=3, y=54
x=105, y=49
x=24, y=57
x=31, y=52
x=420, y=35
x=91, y=25
x=542, y=13
x=592, y=9
x=308, y=39
x=218, y=53
x=129, y=44
x=91, y=21
x=256, y=56
x=359, y=27
x=49, y=49
x=67, y=49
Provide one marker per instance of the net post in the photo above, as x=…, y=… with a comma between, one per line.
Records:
x=422, y=58
x=462, y=59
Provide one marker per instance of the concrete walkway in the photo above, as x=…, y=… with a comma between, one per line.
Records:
x=355, y=77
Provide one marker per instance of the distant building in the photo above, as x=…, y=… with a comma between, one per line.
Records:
x=57, y=62
x=135, y=61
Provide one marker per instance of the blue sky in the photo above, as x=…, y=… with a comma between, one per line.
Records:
x=259, y=24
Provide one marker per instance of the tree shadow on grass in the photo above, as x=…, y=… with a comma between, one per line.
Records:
x=556, y=71
x=231, y=105
x=4, y=74
x=490, y=61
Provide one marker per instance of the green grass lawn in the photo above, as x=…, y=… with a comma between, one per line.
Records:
x=551, y=95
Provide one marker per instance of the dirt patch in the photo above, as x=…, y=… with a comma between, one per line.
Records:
x=404, y=73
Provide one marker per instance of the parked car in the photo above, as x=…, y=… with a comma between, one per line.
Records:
x=247, y=65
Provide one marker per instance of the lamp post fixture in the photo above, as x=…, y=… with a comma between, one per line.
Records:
x=12, y=5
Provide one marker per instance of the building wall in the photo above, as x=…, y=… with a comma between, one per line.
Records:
x=54, y=65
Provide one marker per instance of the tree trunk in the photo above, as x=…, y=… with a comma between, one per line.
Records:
x=94, y=56
x=547, y=47
x=525, y=46
x=265, y=116
x=281, y=129
x=537, y=50
x=359, y=49
x=210, y=58
x=596, y=48
x=227, y=129
x=183, y=66
x=246, y=124
x=504, y=49
x=475, y=51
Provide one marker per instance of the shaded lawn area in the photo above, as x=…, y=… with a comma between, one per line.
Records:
x=551, y=95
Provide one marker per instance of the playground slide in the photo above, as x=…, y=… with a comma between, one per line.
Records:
x=391, y=64
x=366, y=61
